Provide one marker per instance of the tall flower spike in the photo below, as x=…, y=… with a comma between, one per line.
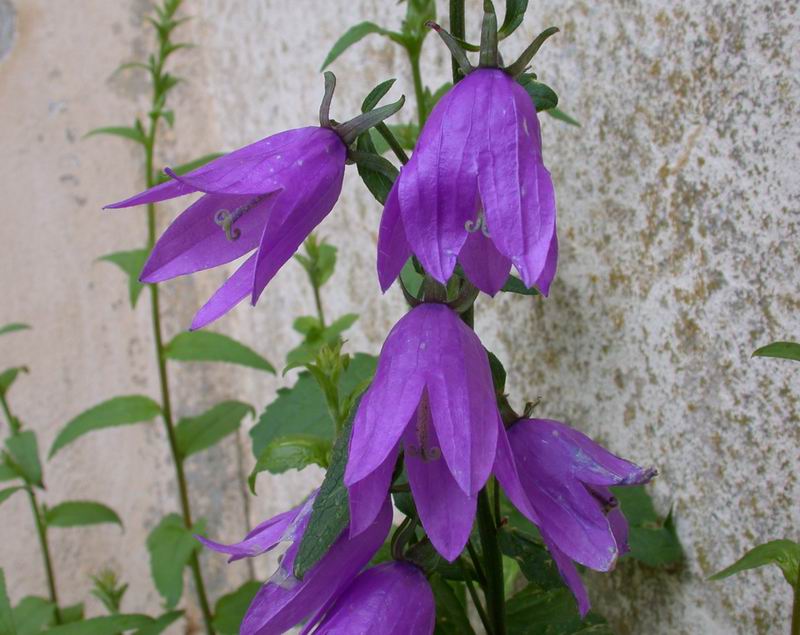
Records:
x=476, y=191
x=263, y=200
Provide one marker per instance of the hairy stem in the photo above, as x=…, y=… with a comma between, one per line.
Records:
x=492, y=565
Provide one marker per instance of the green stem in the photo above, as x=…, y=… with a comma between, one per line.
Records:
x=493, y=565
x=476, y=562
x=419, y=90
x=476, y=600
x=12, y=422
x=394, y=144
x=457, y=29
x=41, y=530
x=795, y=628
x=318, y=302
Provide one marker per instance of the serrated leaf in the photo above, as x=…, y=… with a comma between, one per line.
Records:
x=131, y=133
x=230, y=608
x=185, y=168
x=195, y=434
x=515, y=12
x=107, y=625
x=23, y=457
x=13, y=327
x=782, y=350
x=515, y=285
x=9, y=376
x=206, y=346
x=302, y=409
x=8, y=492
x=537, y=611
x=557, y=113
x=352, y=35
x=80, y=513
x=330, y=513
x=293, y=451
x=783, y=553
x=118, y=411
x=160, y=624
x=171, y=546
x=32, y=614
x=543, y=97
x=131, y=263
x=7, y=626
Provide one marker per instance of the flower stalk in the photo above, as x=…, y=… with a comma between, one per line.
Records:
x=493, y=565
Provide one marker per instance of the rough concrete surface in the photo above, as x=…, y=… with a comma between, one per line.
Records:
x=678, y=218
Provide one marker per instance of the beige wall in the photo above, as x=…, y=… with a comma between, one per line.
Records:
x=678, y=203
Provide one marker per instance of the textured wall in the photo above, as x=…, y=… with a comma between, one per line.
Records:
x=678, y=202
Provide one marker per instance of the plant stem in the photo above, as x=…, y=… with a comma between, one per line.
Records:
x=457, y=29
x=12, y=422
x=41, y=530
x=394, y=144
x=493, y=565
x=318, y=302
x=419, y=90
x=477, y=601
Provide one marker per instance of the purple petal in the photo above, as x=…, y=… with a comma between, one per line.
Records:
x=505, y=470
x=550, y=265
x=393, y=248
x=368, y=495
x=284, y=601
x=156, y=194
x=393, y=598
x=445, y=510
x=619, y=527
x=234, y=290
x=570, y=576
x=484, y=266
x=194, y=241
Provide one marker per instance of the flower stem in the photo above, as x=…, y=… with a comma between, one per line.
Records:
x=476, y=600
x=493, y=565
x=419, y=90
x=457, y=29
x=318, y=302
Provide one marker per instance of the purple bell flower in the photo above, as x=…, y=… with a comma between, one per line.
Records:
x=284, y=601
x=264, y=198
x=475, y=192
x=393, y=598
x=433, y=396
x=559, y=479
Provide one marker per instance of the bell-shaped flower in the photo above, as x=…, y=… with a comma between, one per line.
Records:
x=393, y=598
x=559, y=478
x=432, y=395
x=285, y=601
x=265, y=198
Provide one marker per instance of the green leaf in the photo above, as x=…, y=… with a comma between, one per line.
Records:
x=537, y=611
x=330, y=513
x=195, y=434
x=543, y=97
x=293, y=451
x=107, y=625
x=8, y=492
x=7, y=473
x=118, y=411
x=131, y=263
x=160, y=624
x=412, y=279
x=515, y=285
x=784, y=553
x=23, y=457
x=13, y=327
x=171, y=546
x=302, y=409
x=378, y=183
x=79, y=513
x=71, y=613
x=354, y=34
x=205, y=346
x=187, y=167
x=9, y=376
x=532, y=557
x=405, y=133
x=306, y=352
x=230, y=608
x=132, y=133
x=515, y=12
x=557, y=113
x=32, y=614
x=376, y=94
x=783, y=350
x=7, y=626
x=652, y=541
x=451, y=616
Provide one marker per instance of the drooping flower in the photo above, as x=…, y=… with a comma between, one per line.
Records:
x=559, y=478
x=264, y=198
x=284, y=601
x=433, y=396
x=393, y=598
x=475, y=192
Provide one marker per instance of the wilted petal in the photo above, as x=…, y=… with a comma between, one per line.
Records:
x=368, y=495
x=284, y=601
x=393, y=248
x=570, y=576
x=234, y=290
x=484, y=266
x=393, y=598
x=445, y=510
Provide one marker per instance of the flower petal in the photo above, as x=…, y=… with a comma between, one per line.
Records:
x=284, y=601
x=393, y=247
x=505, y=470
x=570, y=576
x=550, y=265
x=160, y=192
x=445, y=510
x=194, y=241
x=484, y=266
x=393, y=598
x=368, y=495
x=234, y=290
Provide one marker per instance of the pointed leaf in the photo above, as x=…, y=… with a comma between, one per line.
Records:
x=543, y=97
x=79, y=513
x=171, y=546
x=206, y=346
x=131, y=263
x=107, y=625
x=9, y=376
x=7, y=626
x=306, y=352
x=515, y=12
x=7, y=473
x=783, y=350
x=184, y=168
x=132, y=133
x=784, y=553
x=114, y=412
x=557, y=113
x=537, y=611
x=32, y=614
x=291, y=452
x=195, y=434
x=23, y=457
x=8, y=492
x=652, y=541
x=160, y=624
x=13, y=327
x=230, y=608
x=354, y=34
